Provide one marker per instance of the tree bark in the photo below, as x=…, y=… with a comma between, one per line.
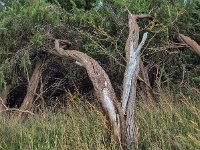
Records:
x=32, y=87
x=130, y=79
x=121, y=115
x=101, y=82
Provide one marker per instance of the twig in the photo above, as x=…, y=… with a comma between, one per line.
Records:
x=13, y=109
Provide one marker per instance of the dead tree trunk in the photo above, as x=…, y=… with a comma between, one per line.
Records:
x=130, y=79
x=121, y=115
x=101, y=82
x=32, y=87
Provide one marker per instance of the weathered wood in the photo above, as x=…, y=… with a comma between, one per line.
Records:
x=32, y=87
x=130, y=79
x=146, y=90
x=121, y=115
x=101, y=82
x=195, y=47
x=131, y=70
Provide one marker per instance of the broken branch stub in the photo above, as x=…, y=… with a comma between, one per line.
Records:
x=189, y=42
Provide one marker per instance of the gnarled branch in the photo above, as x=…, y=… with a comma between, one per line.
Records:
x=101, y=82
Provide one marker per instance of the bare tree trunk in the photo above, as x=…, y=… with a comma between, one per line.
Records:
x=32, y=87
x=121, y=116
x=3, y=99
x=189, y=42
x=130, y=79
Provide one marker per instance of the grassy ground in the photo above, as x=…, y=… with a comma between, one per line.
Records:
x=173, y=122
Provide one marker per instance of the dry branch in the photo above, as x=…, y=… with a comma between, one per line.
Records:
x=32, y=87
x=189, y=42
x=121, y=116
x=101, y=82
x=131, y=70
x=146, y=92
x=130, y=79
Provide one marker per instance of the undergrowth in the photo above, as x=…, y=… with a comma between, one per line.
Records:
x=75, y=128
x=171, y=123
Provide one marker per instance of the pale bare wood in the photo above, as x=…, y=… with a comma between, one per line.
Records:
x=101, y=82
x=121, y=116
x=130, y=79
x=133, y=31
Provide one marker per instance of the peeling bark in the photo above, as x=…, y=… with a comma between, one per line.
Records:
x=32, y=87
x=189, y=42
x=130, y=79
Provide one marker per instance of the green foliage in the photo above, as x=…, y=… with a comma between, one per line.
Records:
x=69, y=5
x=106, y=30
x=99, y=28
x=196, y=79
x=22, y=26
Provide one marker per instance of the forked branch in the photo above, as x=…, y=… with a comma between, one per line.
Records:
x=121, y=115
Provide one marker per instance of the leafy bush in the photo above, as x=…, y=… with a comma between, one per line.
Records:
x=99, y=28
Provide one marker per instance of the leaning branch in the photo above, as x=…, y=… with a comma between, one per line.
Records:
x=101, y=82
x=189, y=42
x=32, y=87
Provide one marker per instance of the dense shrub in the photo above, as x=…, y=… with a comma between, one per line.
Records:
x=99, y=28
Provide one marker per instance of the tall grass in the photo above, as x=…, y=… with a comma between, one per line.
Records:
x=170, y=123
x=77, y=128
